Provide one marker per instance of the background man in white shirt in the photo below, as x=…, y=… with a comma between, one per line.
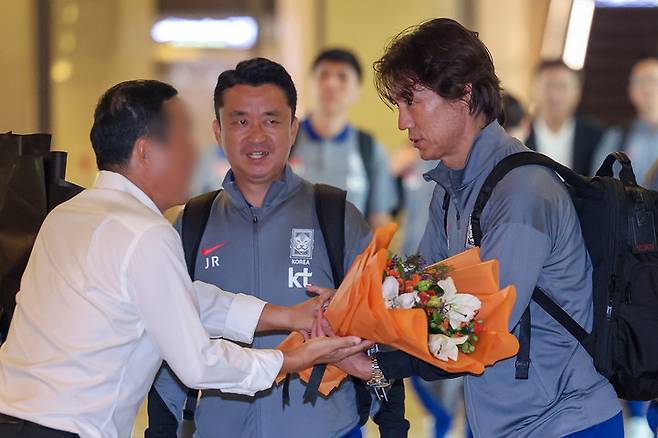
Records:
x=106, y=295
x=557, y=130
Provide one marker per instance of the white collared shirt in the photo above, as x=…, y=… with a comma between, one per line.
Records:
x=104, y=299
x=557, y=145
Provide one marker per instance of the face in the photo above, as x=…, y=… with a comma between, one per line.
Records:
x=335, y=87
x=256, y=129
x=170, y=161
x=643, y=90
x=434, y=125
x=557, y=93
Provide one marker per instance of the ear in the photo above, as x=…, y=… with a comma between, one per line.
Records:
x=294, y=128
x=217, y=129
x=141, y=155
x=468, y=96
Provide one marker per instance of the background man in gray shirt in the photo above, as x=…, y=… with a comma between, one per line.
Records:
x=332, y=151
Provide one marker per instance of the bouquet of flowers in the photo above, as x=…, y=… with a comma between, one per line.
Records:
x=396, y=302
x=451, y=316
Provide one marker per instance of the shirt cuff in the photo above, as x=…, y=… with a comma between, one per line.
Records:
x=242, y=318
x=267, y=365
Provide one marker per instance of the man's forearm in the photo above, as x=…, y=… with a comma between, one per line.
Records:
x=275, y=318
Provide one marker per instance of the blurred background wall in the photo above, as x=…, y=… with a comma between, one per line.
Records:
x=65, y=53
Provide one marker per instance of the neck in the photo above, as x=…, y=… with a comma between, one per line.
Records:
x=254, y=191
x=463, y=144
x=651, y=120
x=328, y=125
x=142, y=184
x=556, y=123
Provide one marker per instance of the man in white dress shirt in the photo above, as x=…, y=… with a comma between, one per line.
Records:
x=106, y=295
x=558, y=130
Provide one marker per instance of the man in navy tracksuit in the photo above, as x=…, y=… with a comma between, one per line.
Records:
x=263, y=237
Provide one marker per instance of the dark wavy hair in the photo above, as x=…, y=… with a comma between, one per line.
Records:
x=255, y=72
x=444, y=56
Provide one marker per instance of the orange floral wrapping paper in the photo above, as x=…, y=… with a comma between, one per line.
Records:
x=358, y=309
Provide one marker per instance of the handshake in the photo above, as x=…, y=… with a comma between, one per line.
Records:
x=322, y=345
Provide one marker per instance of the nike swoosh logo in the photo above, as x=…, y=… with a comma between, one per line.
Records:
x=207, y=251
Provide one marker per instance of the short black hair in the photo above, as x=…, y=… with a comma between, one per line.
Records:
x=255, y=72
x=343, y=56
x=124, y=113
x=513, y=111
x=445, y=57
x=556, y=63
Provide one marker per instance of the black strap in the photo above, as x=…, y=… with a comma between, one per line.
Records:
x=330, y=211
x=627, y=175
x=522, y=364
x=195, y=218
x=497, y=174
x=446, y=207
x=507, y=165
x=367, y=152
x=558, y=314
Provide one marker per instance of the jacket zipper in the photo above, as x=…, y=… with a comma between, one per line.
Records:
x=257, y=292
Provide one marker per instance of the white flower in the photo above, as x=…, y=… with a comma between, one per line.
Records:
x=444, y=347
x=390, y=288
x=406, y=301
x=460, y=307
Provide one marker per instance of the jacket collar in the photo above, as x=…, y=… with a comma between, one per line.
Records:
x=115, y=181
x=481, y=158
x=313, y=135
x=279, y=191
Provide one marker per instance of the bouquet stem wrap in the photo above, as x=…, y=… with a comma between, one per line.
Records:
x=358, y=309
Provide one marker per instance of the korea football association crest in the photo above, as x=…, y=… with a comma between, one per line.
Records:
x=301, y=243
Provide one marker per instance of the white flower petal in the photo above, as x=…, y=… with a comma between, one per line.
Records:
x=462, y=308
x=407, y=301
x=444, y=347
x=390, y=288
x=448, y=286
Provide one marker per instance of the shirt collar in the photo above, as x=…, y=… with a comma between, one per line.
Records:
x=315, y=136
x=279, y=191
x=115, y=181
x=480, y=158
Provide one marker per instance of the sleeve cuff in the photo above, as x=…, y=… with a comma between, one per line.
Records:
x=242, y=318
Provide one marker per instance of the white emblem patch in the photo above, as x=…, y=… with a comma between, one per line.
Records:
x=301, y=243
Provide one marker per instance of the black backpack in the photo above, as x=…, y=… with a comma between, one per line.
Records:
x=618, y=219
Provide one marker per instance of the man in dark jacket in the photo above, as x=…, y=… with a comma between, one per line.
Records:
x=557, y=130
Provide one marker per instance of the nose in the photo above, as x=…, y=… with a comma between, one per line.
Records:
x=256, y=134
x=404, y=118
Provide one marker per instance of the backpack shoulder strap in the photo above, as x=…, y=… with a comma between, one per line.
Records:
x=497, y=174
x=195, y=218
x=367, y=151
x=330, y=210
x=507, y=165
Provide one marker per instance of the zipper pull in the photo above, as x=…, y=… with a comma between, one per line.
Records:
x=255, y=220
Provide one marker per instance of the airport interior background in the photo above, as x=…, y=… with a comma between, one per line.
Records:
x=58, y=56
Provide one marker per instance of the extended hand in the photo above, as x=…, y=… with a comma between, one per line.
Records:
x=358, y=365
x=304, y=314
x=321, y=350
